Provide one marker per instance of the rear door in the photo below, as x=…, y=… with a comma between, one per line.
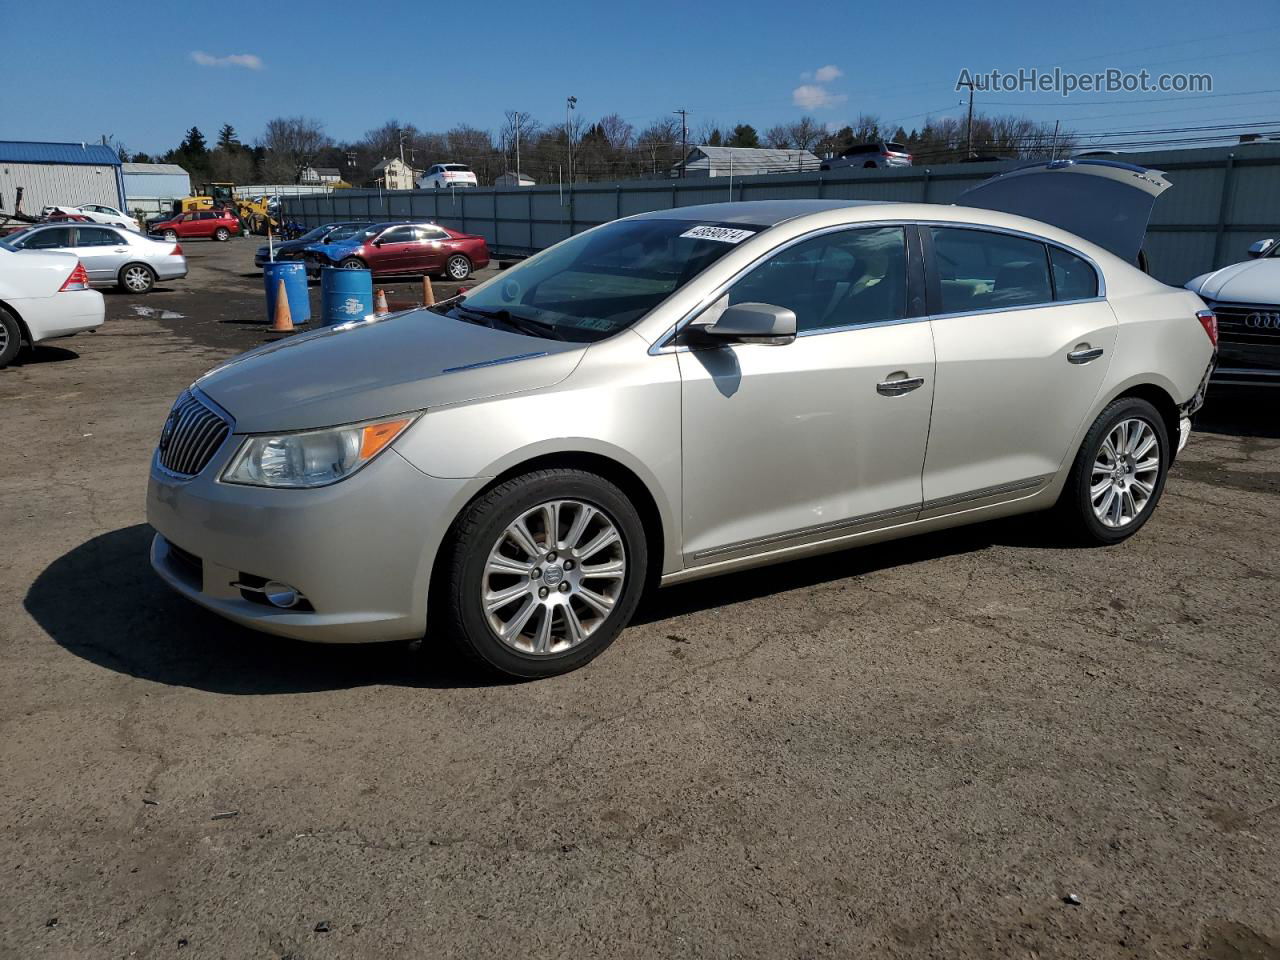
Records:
x=1023, y=339
x=822, y=437
x=102, y=251
x=434, y=247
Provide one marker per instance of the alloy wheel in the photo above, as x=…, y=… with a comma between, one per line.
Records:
x=459, y=268
x=4, y=338
x=1125, y=471
x=137, y=279
x=170, y=235
x=553, y=577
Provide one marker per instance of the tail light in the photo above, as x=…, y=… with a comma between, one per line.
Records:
x=79, y=279
x=176, y=251
x=1209, y=320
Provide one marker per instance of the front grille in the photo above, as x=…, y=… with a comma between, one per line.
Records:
x=1249, y=324
x=191, y=436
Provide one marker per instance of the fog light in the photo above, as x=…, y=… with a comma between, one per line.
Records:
x=280, y=594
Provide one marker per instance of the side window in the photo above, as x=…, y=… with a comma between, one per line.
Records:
x=49, y=239
x=96, y=237
x=1073, y=278
x=989, y=271
x=835, y=280
x=206, y=215
x=431, y=233
x=398, y=235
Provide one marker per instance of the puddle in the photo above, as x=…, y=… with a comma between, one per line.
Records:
x=157, y=314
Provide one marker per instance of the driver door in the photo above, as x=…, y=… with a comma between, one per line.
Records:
x=825, y=436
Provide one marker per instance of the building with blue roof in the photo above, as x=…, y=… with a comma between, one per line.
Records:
x=58, y=174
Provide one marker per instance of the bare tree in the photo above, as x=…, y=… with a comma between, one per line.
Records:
x=805, y=133
x=659, y=145
x=617, y=131
x=291, y=143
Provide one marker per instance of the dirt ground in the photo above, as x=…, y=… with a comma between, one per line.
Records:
x=921, y=749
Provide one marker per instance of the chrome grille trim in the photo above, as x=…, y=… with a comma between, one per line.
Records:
x=193, y=432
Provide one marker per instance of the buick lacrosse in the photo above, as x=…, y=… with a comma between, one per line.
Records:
x=671, y=396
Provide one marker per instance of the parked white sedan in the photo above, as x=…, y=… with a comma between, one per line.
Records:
x=99, y=213
x=43, y=296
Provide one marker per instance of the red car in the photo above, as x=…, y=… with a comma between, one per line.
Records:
x=403, y=248
x=214, y=224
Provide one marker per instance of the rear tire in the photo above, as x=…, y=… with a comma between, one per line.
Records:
x=10, y=337
x=457, y=267
x=575, y=588
x=136, y=278
x=1118, y=475
x=222, y=234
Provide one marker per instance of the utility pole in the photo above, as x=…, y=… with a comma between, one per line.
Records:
x=968, y=129
x=401, y=136
x=517, y=148
x=1053, y=153
x=570, y=104
x=684, y=137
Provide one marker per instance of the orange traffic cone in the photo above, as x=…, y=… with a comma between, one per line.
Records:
x=428, y=295
x=380, y=302
x=283, y=320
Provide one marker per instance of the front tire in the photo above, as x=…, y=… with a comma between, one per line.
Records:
x=136, y=278
x=171, y=236
x=10, y=337
x=1119, y=473
x=542, y=572
x=352, y=263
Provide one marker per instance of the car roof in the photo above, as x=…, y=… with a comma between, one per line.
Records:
x=756, y=213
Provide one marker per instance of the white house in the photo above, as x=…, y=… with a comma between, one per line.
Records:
x=320, y=175
x=394, y=174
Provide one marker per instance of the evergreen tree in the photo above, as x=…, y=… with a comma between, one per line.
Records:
x=744, y=135
x=227, y=137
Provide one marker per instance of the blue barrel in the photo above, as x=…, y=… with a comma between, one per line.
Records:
x=345, y=295
x=294, y=275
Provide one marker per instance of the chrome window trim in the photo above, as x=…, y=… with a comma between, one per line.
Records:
x=664, y=345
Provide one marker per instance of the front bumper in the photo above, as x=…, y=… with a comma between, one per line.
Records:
x=360, y=551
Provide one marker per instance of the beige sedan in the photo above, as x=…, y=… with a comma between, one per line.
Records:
x=676, y=395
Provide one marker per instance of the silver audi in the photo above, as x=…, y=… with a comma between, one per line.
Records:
x=672, y=396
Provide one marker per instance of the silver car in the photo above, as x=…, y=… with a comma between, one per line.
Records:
x=671, y=396
x=112, y=256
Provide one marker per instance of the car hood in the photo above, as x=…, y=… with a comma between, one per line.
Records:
x=1104, y=201
x=334, y=251
x=381, y=366
x=1254, y=281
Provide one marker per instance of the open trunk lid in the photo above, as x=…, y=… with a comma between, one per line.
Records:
x=1104, y=201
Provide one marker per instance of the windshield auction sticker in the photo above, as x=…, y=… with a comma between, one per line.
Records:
x=722, y=234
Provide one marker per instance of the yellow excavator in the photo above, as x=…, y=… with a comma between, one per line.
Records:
x=256, y=213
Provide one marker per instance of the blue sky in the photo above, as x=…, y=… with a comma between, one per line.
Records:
x=144, y=72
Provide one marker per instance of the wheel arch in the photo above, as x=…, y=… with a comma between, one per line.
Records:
x=136, y=263
x=22, y=324
x=616, y=472
x=1164, y=403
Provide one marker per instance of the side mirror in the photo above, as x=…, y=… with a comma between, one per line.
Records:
x=377, y=243
x=1261, y=248
x=753, y=323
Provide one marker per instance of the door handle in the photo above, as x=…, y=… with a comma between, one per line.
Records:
x=1085, y=355
x=896, y=388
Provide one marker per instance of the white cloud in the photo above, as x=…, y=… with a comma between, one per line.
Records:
x=811, y=96
x=250, y=61
x=823, y=74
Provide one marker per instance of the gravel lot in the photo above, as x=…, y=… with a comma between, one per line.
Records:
x=917, y=749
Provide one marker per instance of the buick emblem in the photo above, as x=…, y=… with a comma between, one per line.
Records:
x=1263, y=321
x=167, y=433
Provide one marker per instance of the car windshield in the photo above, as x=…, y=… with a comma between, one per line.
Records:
x=8, y=241
x=314, y=236
x=346, y=230
x=594, y=285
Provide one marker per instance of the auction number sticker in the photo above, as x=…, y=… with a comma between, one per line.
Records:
x=722, y=234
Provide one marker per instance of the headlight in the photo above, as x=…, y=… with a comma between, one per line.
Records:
x=315, y=458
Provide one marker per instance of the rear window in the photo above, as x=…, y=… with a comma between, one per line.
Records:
x=862, y=148
x=457, y=166
x=895, y=148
